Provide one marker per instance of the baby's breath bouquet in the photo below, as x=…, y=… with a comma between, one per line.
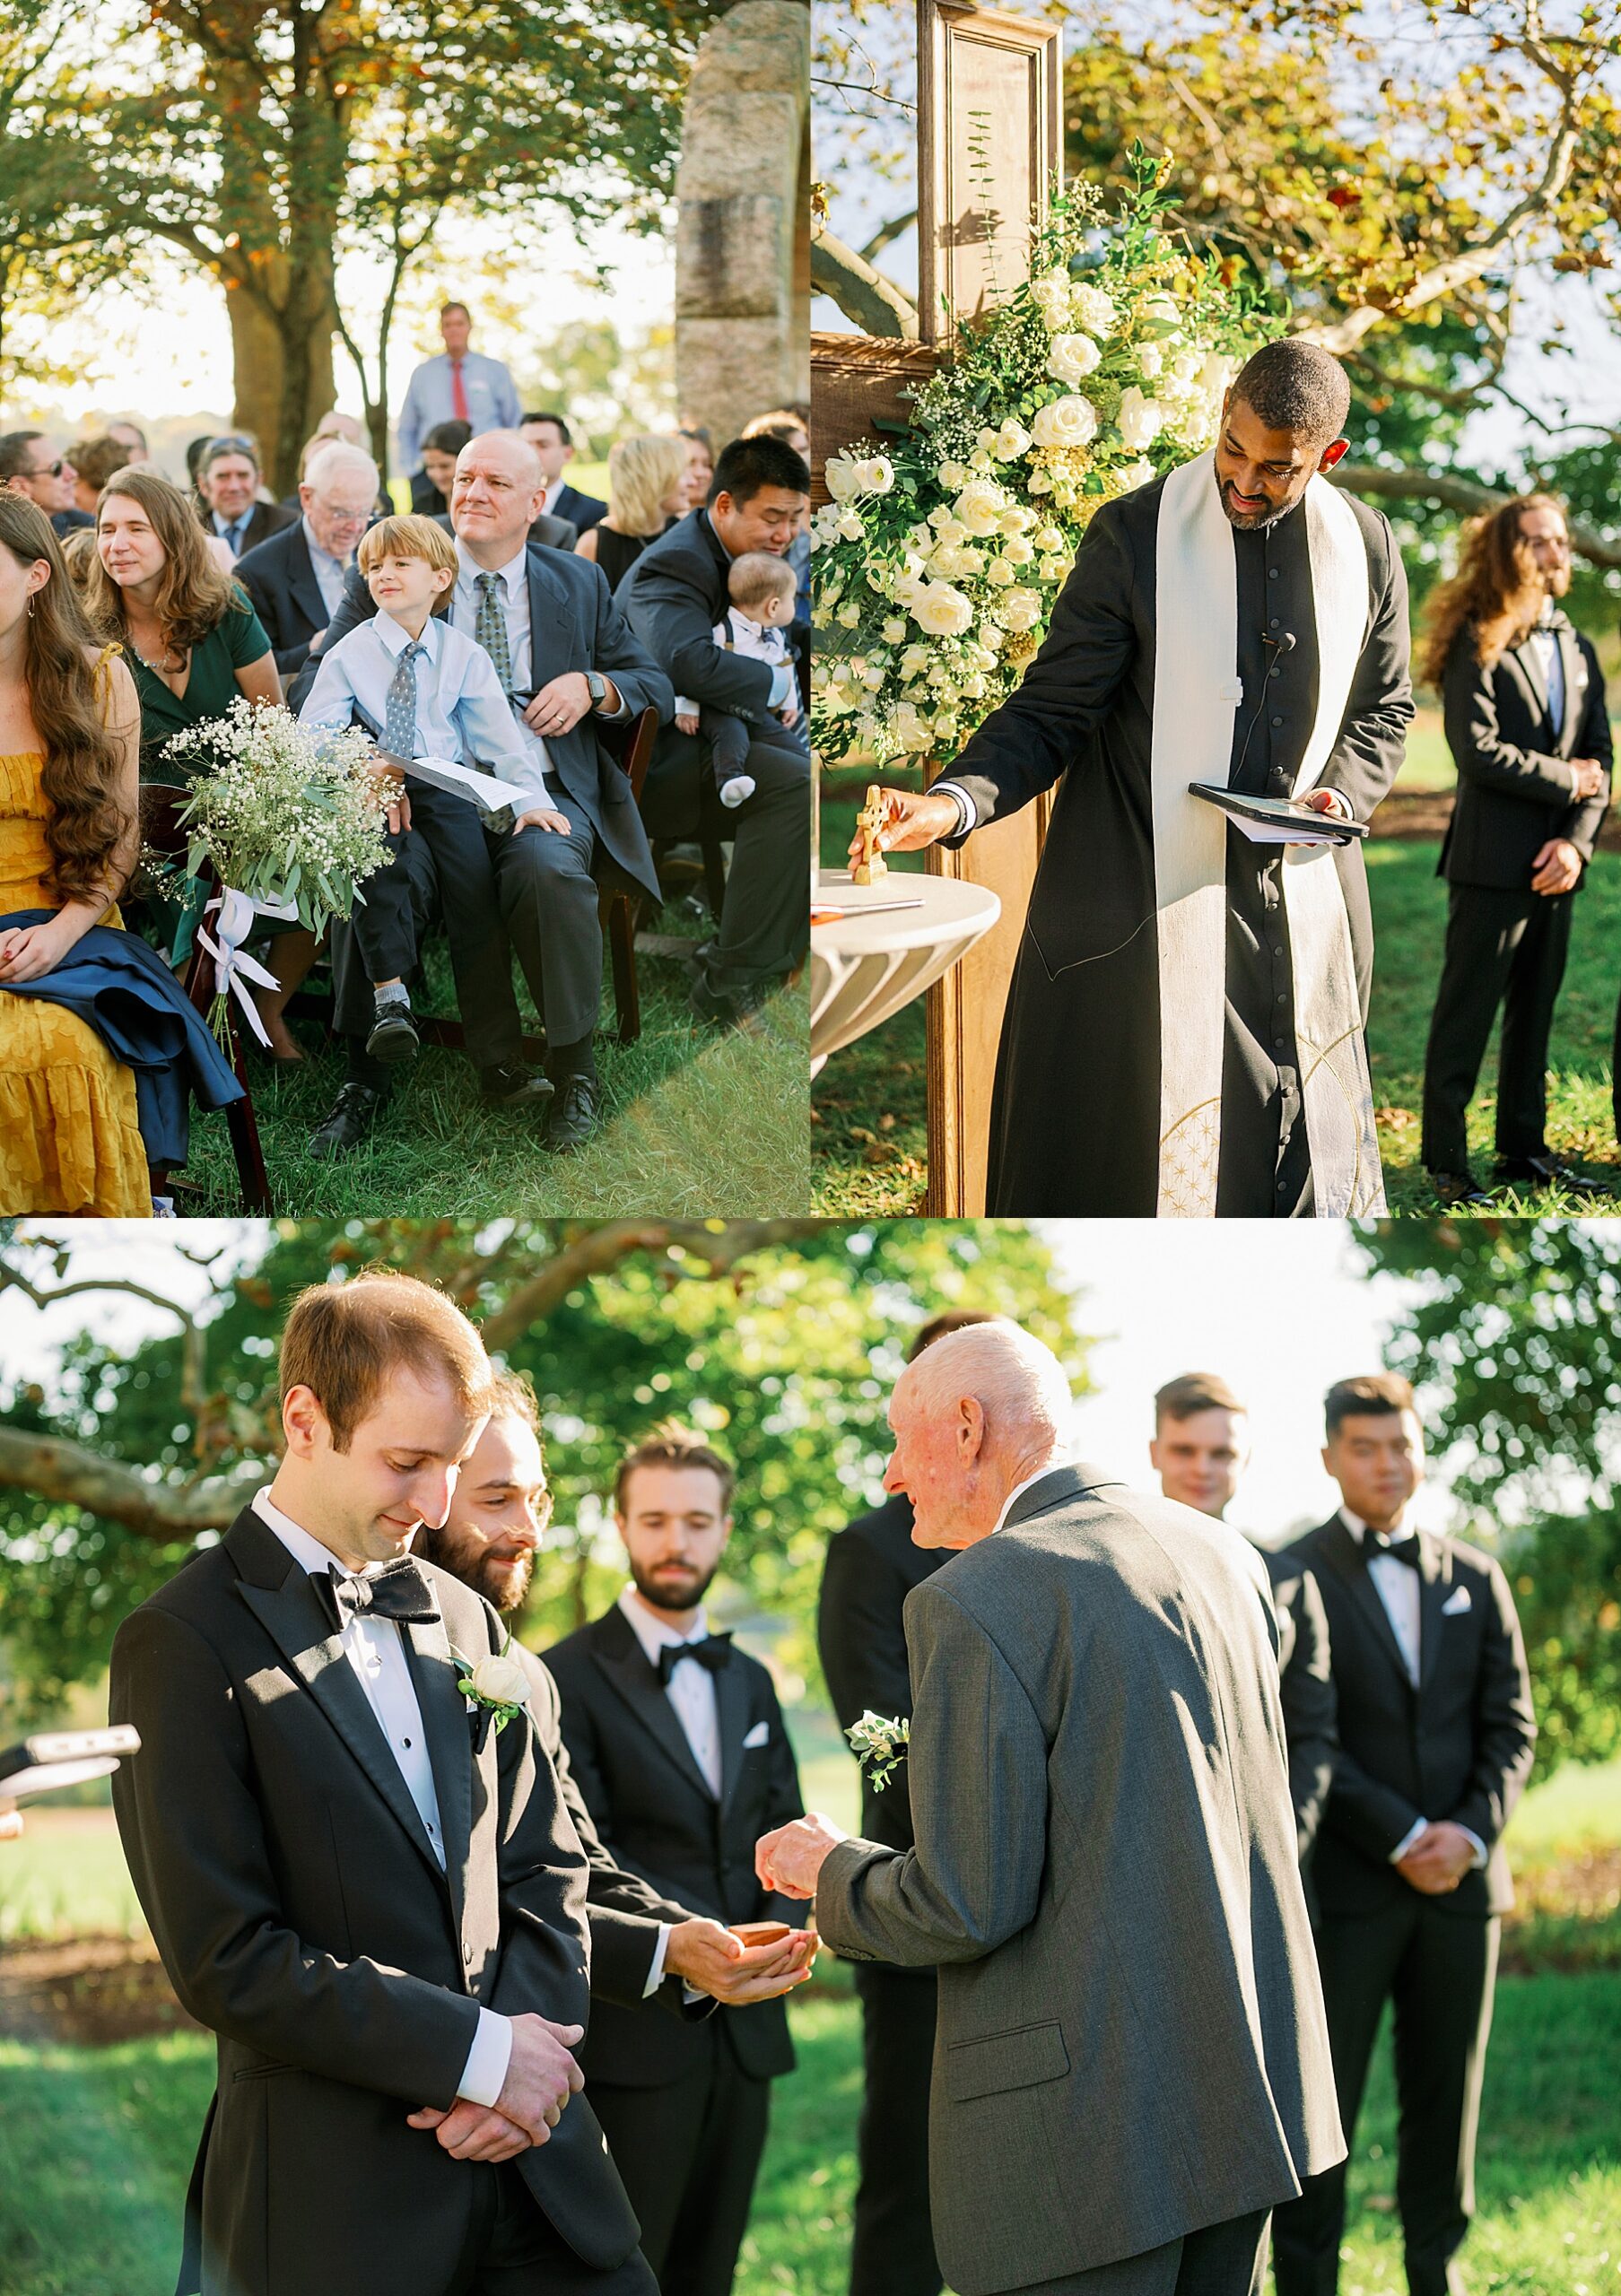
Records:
x=289, y=814
x=939, y=558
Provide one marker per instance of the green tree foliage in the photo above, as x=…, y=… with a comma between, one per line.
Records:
x=1513, y=1338
x=784, y=1354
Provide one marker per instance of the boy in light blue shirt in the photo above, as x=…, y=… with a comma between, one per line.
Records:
x=423, y=690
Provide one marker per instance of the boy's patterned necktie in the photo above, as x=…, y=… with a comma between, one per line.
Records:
x=490, y=627
x=399, y=725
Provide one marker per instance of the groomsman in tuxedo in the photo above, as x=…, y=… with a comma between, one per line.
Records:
x=1199, y=1451
x=1436, y=1734
x=871, y=1568
x=375, y=1900
x=679, y=1750
x=1526, y=725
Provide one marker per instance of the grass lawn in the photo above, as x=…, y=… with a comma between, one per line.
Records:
x=697, y=1121
x=870, y=1149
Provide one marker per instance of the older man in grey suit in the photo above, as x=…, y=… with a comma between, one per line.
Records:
x=1132, y=2064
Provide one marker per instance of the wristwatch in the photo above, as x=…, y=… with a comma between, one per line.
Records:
x=596, y=686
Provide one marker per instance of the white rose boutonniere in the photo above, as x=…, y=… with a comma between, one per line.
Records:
x=880, y=1746
x=495, y=1687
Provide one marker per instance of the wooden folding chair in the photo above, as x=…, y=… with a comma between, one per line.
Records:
x=159, y=829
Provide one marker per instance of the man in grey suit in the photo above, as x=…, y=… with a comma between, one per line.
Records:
x=1132, y=2064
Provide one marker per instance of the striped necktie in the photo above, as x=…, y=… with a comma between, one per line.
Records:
x=490, y=627
x=399, y=727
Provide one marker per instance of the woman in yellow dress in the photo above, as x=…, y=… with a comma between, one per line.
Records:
x=70, y=733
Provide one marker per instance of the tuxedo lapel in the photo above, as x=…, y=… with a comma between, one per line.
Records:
x=552, y=641
x=447, y=1728
x=732, y=1704
x=1525, y=667
x=627, y=1668
x=1346, y=1556
x=1570, y=660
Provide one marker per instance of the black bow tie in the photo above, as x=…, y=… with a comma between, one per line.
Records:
x=399, y=1592
x=713, y=1652
x=1404, y=1549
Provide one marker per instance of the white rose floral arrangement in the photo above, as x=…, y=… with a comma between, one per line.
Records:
x=940, y=557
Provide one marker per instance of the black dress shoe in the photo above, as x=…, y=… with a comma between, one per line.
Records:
x=354, y=1114
x=511, y=1086
x=1547, y=1171
x=1459, y=1188
x=574, y=1114
x=728, y=1007
x=393, y=1037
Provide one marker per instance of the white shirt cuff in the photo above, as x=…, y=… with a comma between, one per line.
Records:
x=1481, y=1852
x=970, y=811
x=485, y=2074
x=656, y=1974
x=1342, y=805
x=1408, y=1839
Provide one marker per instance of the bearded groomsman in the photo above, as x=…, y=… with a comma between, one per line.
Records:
x=1199, y=1451
x=871, y=1568
x=679, y=1748
x=1529, y=730
x=1436, y=1734
x=1184, y=1029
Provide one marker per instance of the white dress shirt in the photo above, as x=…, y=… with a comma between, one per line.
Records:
x=1059, y=1466
x=515, y=605
x=331, y=574
x=461, y=712
x=1396, y=1585
x=373, y=1647
x=691, y=1688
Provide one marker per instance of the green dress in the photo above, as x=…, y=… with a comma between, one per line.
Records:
x=237, y=638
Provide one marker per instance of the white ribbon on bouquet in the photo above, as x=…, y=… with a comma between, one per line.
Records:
x=235, y=972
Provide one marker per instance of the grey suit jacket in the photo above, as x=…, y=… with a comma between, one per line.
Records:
x=1131, y=2042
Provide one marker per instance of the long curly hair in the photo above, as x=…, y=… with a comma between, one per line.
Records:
x=1497, y=588
x=88, y=819
x=194, y=594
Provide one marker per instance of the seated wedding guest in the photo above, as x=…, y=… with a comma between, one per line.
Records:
x=789, y=424
x=131, y=436
x=673, y=598
x=32, y=465
x=94, y=462
x=569, y=662
x=431, y=486
x=425, y=690
x=762, y=591
x=98, y=1049
x=296, y=579
x=193, y=642
x=1527, y=728
x=680, y=1752
x=699, y=466
x=457, y=385
x=553, y=446
x=228, y=480
x=647, y=494
x=871, y=1568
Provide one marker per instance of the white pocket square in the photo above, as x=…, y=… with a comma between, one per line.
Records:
x=757, y=1736
x=1458, y=1600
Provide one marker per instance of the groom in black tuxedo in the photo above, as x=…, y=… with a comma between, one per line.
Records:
x=1436, y=1734
x=678, y=1746
x=373, y=1898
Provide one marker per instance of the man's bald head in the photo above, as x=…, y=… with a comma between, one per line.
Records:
x=495, y=495
x=973, y=1416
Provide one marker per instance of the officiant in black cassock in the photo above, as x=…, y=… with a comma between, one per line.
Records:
x=1113, y=1096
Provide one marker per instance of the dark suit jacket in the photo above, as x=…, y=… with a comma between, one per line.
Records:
x=574, y=624
x=673, y=596
x=1306, y=1687
x=870, y=1569
x=268, y=519
x=303, y=1917
x=1457, y=1747
x=1513, y=785
x=653, y=1808
x=279, y=576
x=584, y=509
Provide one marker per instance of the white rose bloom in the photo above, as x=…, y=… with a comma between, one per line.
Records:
x=878, y=474
x=850, y=528
x=842, y=476
x=1151, y=360
x=990, y=638
x=940, y=515
x=1001, y=572
x=1140, y=420
x=1138, y=474
x=849, y=615
x=920, y=537
x=1013, y=441
x=952, y=474
x=1071, y=358
x=1163, y=309
x=1051, y=296
x=1069, y=421
x=873, y=677
x=1093, y=309
x=980, y=507
x=986, y=442
x=1040, y=483
x=1018, y=549
x=1049, y=538
x=953, y=531
x=980, y=461
x=1018, y=520
x=1021, y=608
x=915, y=661
x=979, y=657
x=1215, y=376
x=1053, y=569
x=1186, y=366
x=895, y=629
x=910, y=729
x=503, y=1679
x=943, y=611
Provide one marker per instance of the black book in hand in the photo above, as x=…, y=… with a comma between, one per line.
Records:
x=1277, y=821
